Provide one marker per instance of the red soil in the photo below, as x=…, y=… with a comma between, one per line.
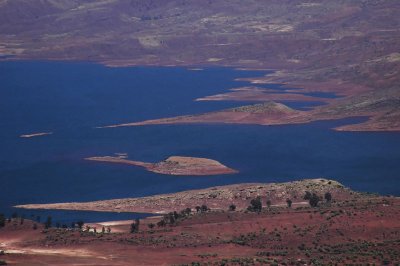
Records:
x=356, y=231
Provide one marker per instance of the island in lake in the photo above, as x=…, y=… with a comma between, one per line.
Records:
x=174, y=165
x=35, y=134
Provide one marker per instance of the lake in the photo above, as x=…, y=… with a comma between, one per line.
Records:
x=72, y=98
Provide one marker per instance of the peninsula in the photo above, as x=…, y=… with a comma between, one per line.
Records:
x=214, y=197
x=380, y=107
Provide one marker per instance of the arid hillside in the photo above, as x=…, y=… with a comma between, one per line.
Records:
x=334, y=226
x=330, y=37
x=345, y=47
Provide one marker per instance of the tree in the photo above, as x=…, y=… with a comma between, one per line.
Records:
x=204, y=208
x=269, y=203
x=151, y=226
x=314, y=200
x=186, y=211
x=161, y=223
x=328, y=197
x=2, y=220
x=135, y=226
x=48, y=222
x=103, y=230
x=307, y=196
x=232, y=207
x=170, y=218
x=289, y=203
x=256, y=205
x=198, y=208
x=137, y=222
x=80, y=224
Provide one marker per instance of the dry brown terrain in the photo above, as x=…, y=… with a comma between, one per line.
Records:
x=270, y=113
x=354, y=228
x=174, y=165
x=262, y=95
x=350, y=48
x=215, y=198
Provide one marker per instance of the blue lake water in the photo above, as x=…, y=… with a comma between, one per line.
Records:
x=71, y=99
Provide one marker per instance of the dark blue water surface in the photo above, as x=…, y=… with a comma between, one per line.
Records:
x=71, y=99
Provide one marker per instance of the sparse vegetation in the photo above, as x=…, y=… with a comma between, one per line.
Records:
x=280, y=236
